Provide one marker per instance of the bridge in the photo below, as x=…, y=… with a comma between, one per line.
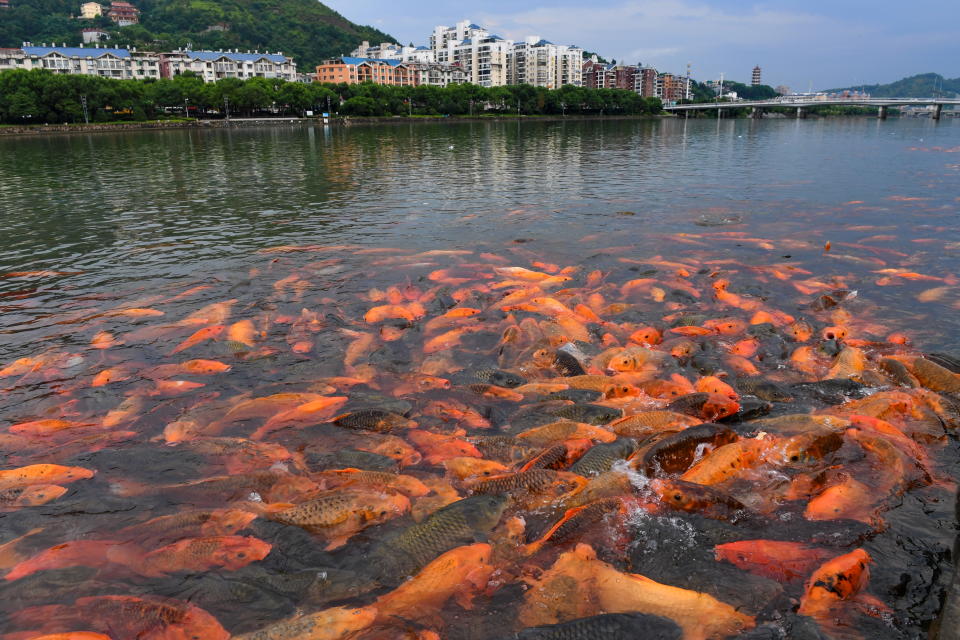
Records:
x=802, y=103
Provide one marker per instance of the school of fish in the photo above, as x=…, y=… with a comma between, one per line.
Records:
x=490, y=447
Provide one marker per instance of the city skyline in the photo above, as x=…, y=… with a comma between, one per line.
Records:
x=841, y=45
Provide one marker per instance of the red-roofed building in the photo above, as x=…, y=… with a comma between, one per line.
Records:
x=4, y=4
x=123, y=13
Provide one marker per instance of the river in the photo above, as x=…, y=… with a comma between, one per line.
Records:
x=296, y=226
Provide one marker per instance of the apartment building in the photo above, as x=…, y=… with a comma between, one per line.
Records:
x=216, y=65
x=492, y=61
x=351, y=70
x=123, y=13
x=91, y=10
x=673, y=88
x=600, y=75
x=106, y=62
x=541, y=63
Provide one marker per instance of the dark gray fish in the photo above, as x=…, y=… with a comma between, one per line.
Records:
x=576, y=395
x=567, y=365
x=462, y=522
x=763, y=389
x=833, y=391
x=366, y=460
x=609, y=626
x=594, y=414
x=373, y=420
x=946, y=361
x=898, y=373
x=676, y=452
x=600, y=458
x=751, y=408
x=500, y=378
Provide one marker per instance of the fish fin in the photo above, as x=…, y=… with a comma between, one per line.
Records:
x=336, y=543
x=871, y=606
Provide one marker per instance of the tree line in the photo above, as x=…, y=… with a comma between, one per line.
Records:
x=40, y=97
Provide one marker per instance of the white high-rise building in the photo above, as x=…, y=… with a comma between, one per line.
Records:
x=492, y=61
x=541, y=63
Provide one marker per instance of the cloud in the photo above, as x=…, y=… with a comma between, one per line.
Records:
x=817, y=43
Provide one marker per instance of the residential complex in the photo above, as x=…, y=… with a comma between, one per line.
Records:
x=354, y=70
x=122, y=64
x=487, y=59
x=130, y=64
x=216, y=65
x=644, y=80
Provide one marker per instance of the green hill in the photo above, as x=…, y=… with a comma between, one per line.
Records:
x=305, y=29
x=924, y=85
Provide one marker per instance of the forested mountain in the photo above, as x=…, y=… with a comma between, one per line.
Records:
x=924, y=85
x=305, y=29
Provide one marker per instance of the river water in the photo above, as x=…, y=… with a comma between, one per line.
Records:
x=297, y=225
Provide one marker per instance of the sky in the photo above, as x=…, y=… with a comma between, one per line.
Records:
x=818, y=44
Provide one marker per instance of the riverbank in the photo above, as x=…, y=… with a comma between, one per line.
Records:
x=349, y=121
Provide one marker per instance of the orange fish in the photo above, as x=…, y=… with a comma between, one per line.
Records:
x=242, y=332
x=204, y=367
x=207, y=333
x=315, y=412
x=46, y=427
x=78, y=553
x=437, y=447
x=42, y=474
x=202, y=554
x=458, y=574
x=835, y=581
x=780, y=561
x=148, y=617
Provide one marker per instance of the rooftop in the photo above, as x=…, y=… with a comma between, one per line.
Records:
x=77, y=52
x=234, y=56
x=352, y=60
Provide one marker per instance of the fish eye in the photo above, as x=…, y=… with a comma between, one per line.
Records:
x=242, y=555
x=794, y=458
x=678, y=497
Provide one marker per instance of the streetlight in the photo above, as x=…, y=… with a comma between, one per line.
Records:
x=186, y=107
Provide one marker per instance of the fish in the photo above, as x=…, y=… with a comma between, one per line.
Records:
x=373, y=420
x=774, y=559
x=33, y=496
x=459, y=523
x=675, y=453
x=337, y=623
x=696, y=498
x=42, y=474
x=836, y=580
x=195, y=555
x=314, y=412
x=603, y=589
x=457, y=574
x=593, y=414
x=126, y=617
x=77, y=553
x=609, y=626
x=338, y=515
x=601, y=457
x=405, y=484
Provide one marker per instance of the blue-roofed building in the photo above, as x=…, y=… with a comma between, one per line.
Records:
x=217, y=65
x=107, y=62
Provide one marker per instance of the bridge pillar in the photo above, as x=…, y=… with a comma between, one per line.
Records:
x=801, y=114
x=756, y=112
x=882, y=112
x=937, y=110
